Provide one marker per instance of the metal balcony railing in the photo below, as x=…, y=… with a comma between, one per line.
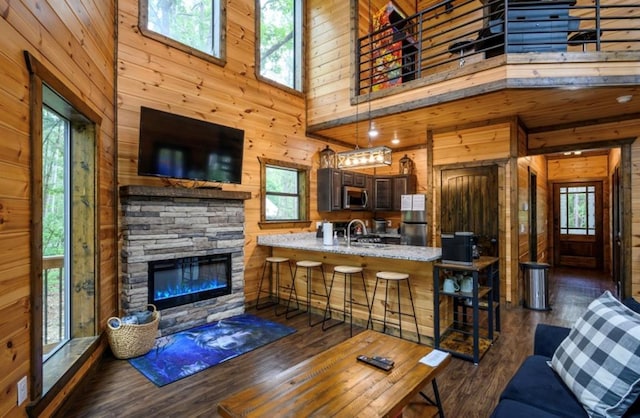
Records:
x=54, y=302
x=457, y=33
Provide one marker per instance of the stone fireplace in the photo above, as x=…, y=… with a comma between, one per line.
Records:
x=192, y=242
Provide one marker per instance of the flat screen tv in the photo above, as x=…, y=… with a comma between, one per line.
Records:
x=184, y=148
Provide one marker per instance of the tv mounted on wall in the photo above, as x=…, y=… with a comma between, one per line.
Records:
x=179, y=147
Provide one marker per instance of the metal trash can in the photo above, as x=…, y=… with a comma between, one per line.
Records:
x=536, y=285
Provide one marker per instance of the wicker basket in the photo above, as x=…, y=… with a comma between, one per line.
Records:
x=132, y=340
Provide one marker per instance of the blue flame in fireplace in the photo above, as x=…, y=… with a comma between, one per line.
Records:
x=189, y=278
x=188, y=288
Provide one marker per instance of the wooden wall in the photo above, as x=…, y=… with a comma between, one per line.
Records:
x=536, y=164
x=76, y=42
x=274, y=120
x=491, y=143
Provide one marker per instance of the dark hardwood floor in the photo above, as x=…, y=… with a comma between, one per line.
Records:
x=118, y=390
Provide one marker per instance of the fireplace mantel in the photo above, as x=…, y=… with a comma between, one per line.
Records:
x=182, y=192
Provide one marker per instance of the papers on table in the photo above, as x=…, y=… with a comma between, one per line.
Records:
x=434, y=358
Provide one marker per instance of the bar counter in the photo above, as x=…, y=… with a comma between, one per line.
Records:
x=414, y=260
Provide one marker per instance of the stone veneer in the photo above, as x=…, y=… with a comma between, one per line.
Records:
x=165, y=223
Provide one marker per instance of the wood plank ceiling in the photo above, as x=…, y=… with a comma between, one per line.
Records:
x=539, y=109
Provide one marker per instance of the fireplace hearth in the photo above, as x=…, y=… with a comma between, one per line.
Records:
x=189, y=279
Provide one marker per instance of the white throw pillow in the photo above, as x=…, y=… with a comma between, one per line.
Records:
x=600, y=358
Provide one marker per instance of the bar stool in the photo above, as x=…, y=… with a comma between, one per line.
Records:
x=398, y=278
x=309, y=265
x=347, y=272
x=270, y=262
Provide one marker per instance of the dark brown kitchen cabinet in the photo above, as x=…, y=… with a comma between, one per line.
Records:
x=404, y=184
x=350, y=178
x=329, y=189
x=370, y=192
x=382, y=193
x=388, y=191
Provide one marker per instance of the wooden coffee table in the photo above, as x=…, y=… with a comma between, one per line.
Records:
x=334, y=383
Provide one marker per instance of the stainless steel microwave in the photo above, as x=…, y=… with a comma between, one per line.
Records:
x=354, y=197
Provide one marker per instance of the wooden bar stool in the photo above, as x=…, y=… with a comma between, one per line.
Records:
x=398, y=278
x=347, y=272
x=309, y=265
x=270, y=262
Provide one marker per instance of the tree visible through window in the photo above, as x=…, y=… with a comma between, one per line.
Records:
x=285, y=192
x=577, y=210
x=280, y=29
x=282, y=199
x=196, y=24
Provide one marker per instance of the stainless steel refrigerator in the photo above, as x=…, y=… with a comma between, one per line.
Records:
x=413, y=227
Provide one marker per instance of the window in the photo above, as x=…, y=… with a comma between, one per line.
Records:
x=578, y=210
x=280, y=42
x=194, y=26
x=65, y=224
x=285, y=194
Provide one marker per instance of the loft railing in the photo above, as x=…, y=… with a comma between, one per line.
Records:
x=457, y=33
x=54, y=301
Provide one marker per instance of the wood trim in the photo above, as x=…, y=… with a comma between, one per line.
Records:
x=285, y=224
x=35, y=109
x=221, y=60
x=45, y=75
x=597, y=121
x=627, y=220
x=182, y=192
x=304, y=179
x=604, y=144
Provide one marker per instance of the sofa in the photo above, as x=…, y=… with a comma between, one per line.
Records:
x=538, y=390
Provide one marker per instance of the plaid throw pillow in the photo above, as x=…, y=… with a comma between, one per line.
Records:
x=600, y=358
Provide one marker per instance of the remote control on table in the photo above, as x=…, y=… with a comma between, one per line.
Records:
x=384, y=365
x=384, y=360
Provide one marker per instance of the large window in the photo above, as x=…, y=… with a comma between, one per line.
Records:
x=280, y=42
x=578, y=210
x=285, y=193
x=195, y=26
x=64, y=253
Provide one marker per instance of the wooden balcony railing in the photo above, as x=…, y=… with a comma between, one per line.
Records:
x=454, y=34
x=53, y=321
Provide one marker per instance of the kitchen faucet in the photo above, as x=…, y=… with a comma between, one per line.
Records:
x=364, y=230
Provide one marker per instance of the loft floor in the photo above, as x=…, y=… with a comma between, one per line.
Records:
x=118, y=390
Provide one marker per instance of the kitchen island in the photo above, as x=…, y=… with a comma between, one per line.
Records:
x=416, y=261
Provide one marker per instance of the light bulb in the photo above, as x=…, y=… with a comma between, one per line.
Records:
x=373, y=132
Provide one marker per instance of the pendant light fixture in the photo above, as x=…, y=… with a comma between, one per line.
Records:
x=371, y=156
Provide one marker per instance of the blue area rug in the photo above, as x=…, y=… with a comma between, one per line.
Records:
x=187, y=352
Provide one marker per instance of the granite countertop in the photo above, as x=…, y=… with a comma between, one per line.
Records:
x=308, y=241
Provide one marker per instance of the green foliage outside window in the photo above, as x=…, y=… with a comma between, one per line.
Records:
x=577, y=210
x=54, y=131
x=282, y=200
x=281, y=41
x=195, y=23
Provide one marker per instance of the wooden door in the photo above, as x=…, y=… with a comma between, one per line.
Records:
x=577, y=224
x=469, y=202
